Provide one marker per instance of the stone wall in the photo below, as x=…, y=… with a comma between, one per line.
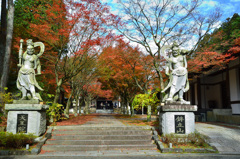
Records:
x=223, y=117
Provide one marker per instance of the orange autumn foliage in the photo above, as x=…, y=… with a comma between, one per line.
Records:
x=126, y=70
x=73, y=32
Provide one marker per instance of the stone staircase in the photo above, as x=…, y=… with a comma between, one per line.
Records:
x=78, y=138
x=103, y=136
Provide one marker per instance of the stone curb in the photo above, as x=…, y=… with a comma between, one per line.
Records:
x=179, y=150
x=48, y=135
x=34, y=151
x=49, y=132
x=37, y=150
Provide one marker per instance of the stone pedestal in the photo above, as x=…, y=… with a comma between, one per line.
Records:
x=177, y=119
x=26, y=118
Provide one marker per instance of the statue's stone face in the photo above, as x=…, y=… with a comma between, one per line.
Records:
x=30, y=50
x=175, y=51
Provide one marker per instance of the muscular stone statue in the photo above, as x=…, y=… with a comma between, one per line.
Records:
x=28, y=63
x=176, y=69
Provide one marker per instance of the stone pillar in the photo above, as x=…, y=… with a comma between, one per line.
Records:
x=177, y=119
x=26, y=118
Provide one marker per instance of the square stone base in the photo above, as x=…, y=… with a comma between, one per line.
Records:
x=33, y=118
x=168, y=122
x=36, y=122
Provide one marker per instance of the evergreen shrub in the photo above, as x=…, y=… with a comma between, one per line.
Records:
x=19, y=140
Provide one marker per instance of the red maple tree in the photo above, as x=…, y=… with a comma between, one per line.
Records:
x=125, y=70
x=72, y=30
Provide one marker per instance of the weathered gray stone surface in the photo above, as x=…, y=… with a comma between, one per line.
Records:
x=32, y=101
x=36, y=117
x=176, y=69
x=167, y=122
x=28, y=63
x=183, y=102
x=176, y=108
x=225, y=138
x=105, y=133
x=29, y=107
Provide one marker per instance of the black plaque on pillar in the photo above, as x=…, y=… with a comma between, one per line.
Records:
x=22, y=122
x=179, y=124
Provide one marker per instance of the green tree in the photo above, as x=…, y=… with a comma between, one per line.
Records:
x=24, y=16
x=222, y=38
x=218, y=48
x=148, y=100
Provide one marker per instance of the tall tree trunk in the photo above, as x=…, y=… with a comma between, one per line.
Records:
x=75, y=109
x=3, y=33
x=128, y=109
x=6, y=64
x=132, y=110
x=87, y=103
x=124, y=105
x=56, y=97
x=58, y=91
x=66, y=112
x=80, y=106
x=149, y=113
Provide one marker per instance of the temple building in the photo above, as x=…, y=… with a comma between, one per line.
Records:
x=217, y=94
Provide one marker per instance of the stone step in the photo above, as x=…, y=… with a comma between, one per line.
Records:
x=96, y=147
x=104, y=153
x=97, y=128
x=102, y=137
x=99, y=142
x=110, y=153
x=102, y=132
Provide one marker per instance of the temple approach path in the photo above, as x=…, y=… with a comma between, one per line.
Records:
x=103, y=136
x=225, y=137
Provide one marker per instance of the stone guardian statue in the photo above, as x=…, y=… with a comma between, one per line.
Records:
x=176, y=69
x=28, y=63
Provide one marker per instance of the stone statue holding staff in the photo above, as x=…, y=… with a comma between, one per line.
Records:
x=28, y=63
x=178, y=75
